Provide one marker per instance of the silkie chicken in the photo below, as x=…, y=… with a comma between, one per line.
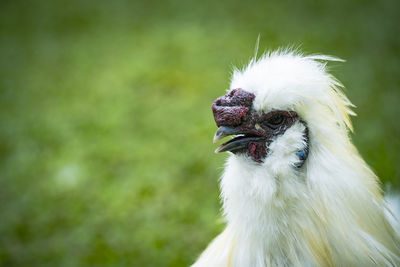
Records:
x=295, y=191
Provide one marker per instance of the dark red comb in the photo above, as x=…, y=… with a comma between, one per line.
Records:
x=233, y=108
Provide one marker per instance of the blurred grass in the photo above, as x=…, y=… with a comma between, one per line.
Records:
x=105, y=122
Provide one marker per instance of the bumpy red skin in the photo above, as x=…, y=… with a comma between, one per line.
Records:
x=233, y=108
x=257, y=151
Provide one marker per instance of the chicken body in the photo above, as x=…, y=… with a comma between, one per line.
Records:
x=295, y=191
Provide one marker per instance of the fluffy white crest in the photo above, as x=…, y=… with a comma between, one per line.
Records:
x=284, y=80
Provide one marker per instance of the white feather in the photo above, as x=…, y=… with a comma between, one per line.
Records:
x=330, y=212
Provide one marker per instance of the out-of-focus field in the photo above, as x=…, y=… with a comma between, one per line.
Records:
x=106, y=154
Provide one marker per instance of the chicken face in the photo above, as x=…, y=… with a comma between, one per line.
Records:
x=254, y=131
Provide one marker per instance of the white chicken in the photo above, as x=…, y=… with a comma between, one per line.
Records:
x=295, y=191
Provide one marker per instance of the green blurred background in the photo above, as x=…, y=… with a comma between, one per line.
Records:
x=106, y=156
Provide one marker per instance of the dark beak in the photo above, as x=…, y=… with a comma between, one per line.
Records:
x=237, y=144
x=224, y=131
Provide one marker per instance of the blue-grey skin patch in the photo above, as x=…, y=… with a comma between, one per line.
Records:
x=302, y=155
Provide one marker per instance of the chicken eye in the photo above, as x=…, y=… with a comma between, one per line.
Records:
x=275, y=121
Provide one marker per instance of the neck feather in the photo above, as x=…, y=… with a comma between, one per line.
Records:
x=326, y=214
